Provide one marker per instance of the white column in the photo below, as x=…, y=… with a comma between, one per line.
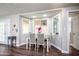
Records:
x=31, y=26
x=49, y=30
x=49, y=25
x=64, y=31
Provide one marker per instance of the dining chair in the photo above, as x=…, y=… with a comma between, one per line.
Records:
x=40, y=41
x=31, y=40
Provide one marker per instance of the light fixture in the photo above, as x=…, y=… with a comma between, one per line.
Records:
x=33, y=16
x=70, y=19
x=45, y=15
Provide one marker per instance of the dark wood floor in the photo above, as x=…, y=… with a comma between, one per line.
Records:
x=21, y=51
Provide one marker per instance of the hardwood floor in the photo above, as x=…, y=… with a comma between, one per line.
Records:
x=21, y=51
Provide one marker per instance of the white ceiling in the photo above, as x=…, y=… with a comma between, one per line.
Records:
x=72, y=14
x=41, y=14
x=14, y=8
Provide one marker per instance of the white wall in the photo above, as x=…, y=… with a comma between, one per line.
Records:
x=6, y=21
x=9, y=22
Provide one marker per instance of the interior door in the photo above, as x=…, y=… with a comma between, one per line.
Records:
x=75, y=31
x=2, y=34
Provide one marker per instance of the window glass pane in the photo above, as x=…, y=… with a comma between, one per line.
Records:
x=55, y=25
x=44, y=22
x=25, y=25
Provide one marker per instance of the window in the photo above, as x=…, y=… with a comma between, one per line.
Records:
x=55, y=25
x=25, y=25
x=44, y=22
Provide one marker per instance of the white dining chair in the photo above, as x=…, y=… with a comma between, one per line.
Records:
x=40, y=41
x=31, y=40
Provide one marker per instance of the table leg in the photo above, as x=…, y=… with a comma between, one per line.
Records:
x=12, y=43
x=8, y=42
x=47, y=46
x=15, y=42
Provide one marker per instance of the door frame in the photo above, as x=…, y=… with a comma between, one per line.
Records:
x=73, y=9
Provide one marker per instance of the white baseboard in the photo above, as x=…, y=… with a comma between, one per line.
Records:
x=63, y=51
x=20, y=44
x=56, y=47
x=59, y=48
x=72, y=45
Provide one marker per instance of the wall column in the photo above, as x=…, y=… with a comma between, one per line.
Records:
x=31, y=26
x=64, y=31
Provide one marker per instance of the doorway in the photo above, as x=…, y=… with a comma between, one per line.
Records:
x=74, y=30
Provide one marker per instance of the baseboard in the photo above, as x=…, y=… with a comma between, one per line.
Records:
x=56, y=47
x=71, y=44
x=59, y=48
x=20, y=44
x=63, y=51
x=74, y=47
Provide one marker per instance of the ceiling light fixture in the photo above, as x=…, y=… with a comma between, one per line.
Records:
x=70, y=19
x=45, y=15
x=33, y=17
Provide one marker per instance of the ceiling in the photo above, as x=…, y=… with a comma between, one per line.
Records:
x=15, y=8
x=41, y=15
x=72, y=14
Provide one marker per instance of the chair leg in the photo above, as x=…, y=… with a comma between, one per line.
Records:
x=29, y=47
x=37, y=47
x=28, y=44
x=43, y=49
x=8, y=43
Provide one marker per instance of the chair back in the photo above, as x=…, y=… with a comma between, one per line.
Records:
x=32, y=38
x=40, y=39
